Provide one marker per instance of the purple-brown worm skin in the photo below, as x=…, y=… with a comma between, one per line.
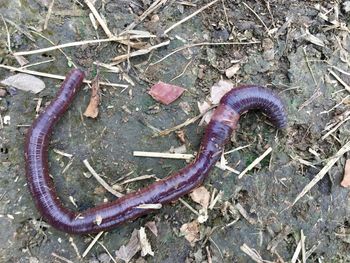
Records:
x=114, y=213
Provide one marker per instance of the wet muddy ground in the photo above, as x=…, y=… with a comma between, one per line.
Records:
x=300, y=49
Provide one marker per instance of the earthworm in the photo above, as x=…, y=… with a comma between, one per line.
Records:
x=108, y=215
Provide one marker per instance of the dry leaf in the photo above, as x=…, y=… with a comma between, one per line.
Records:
x=218, y=90
x=24, y=82
x=165, y=93
x=201, y=196
x=145, y=245
x=203, y=107
x=152, y=226
x=346, y=179
x=231, y=71
x=126, y=253
x=92, y=109
x=191, y=232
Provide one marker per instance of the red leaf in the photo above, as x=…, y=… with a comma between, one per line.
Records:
x=165, y=93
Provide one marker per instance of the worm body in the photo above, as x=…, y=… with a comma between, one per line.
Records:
x=126, y=208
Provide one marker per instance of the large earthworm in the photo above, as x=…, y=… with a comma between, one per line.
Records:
x=111, y=214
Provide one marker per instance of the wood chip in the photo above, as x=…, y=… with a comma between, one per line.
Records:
x=346, y=179
x=24, y=82
x=191, y=232
x=165, y=93
x=92, y=109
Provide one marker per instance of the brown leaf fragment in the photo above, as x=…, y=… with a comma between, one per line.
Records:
x=165, y=93
x=201, y=196
x=151, y=225
x=191, y=232
x=126, y=252
x=145, y=245
x=346, y=179
x=92, y=109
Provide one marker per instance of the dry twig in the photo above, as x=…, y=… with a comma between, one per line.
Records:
x=189, y=17
x=255, y=162
x=54, y=76
x=100, y=180
x=323, y=172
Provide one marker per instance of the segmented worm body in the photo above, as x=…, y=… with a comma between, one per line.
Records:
x=111, y=214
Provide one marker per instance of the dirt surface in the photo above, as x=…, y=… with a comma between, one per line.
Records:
x=300, y=49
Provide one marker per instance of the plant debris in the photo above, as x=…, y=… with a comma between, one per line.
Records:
x=346, y=179
x=201, y=196
x=165, y=93
x=191, y=232
x=128, y=251
x=92, y=109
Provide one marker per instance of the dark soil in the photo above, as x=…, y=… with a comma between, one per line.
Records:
x=286, y=59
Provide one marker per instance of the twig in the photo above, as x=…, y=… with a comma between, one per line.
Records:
x=140, y=52
x=180, y=156
x=154, y=6
x=99, y=18
x=54, y=76
x=38, y=63
x=255, y=162
x=163, y=155
x=109, y=254
x=92, y=244
x=258, y=17
x=184, y=124
x=189, y=17
x=100, y=180
x=203, y=44
x=149, y=206
x=188, y=206
x=68, y=155
x=61, y=258
x=69, y=59
x=296, y=253
x=71, y=241
x=139, y=178
x=237, y=149
x=8, y=35
x=183, y=72
x=252, y=253
x=335, y=128
x=48, y=15
x=323, y=172
x=309, y=66
x=245, y=214
x=346, y=86
x=303, y=250
x=80, y=43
